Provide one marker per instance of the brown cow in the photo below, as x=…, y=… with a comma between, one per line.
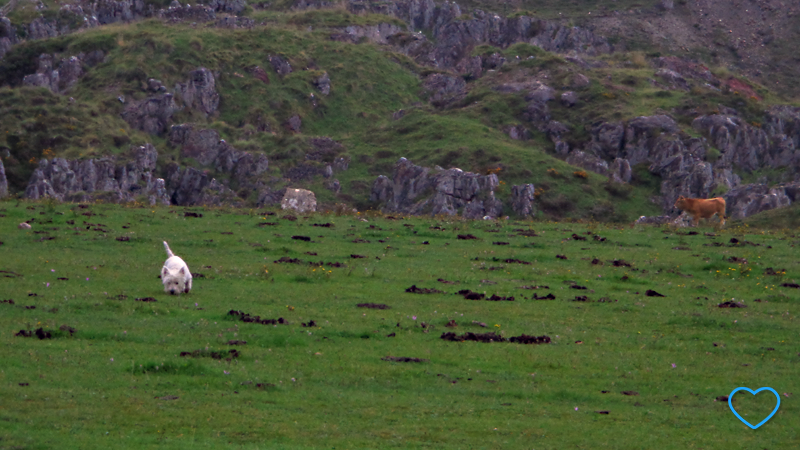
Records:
x=700, y=208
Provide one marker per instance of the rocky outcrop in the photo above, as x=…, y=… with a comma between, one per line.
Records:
x=444, y=89
x=206, y=147
x=280, y=65
x=750, y=199
x=228, y=6
x=372, y=33
x=740, y=144
x=420, y=190
x=151, y=115
x=188, y=13
x=101, y=178
x=199, y=92
x=61, y=79
x=300, y=200
x=588, y=162
x=189, y=186
x=3, y=181
x=522, y=200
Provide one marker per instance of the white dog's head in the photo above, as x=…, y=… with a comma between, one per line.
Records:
x=175, y=282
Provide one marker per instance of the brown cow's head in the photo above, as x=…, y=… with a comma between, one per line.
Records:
x=680, y=203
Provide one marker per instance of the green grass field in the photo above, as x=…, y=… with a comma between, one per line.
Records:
x=119, y=381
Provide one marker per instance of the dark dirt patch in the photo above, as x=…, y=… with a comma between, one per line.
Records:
x=514, y=261
x=62, y=279
x=629, y=393
x=244, y=317
x=10, y=301
x=266, y=213
x=192, y=214
x=470, y=336
x=360, y=241
x=606, y=300
x=402, y=359
x=526, y=233
x=469, y=295
x=735, y=259
x=603, y=412
x=577, y=286
x=561, y=256
x=451, y=324
x=264, y=224
x=791, y=285
x=534, y=287
x=167, y=397
x=123, y=238
x=732, y=304
x=226, y=232
x=499, y=243
x=287, y=260
x=30, y=307
x=229, y=355
x=373, y=306
x=466, y=237
x=497, y=298
x=681, y=248
x=597, y=262
x=599, y=238
x=68, y=329
x=323, y=225
x=311, y=253
x=578, y=238
x=23, y=384
x=722, y=398
x=620, y=263
x=525, y=339
x=357, y=256
x=442, y=280
x=301, y=238
x=391, y=335
x=236, y=342
x=145, y=299
x=415, y=290
x=289, y=217
x=544, y=297
x=39, y=333
x=309, y=324
x=9, y=274
x=581, y=298
x=775, y=273
x=47, y=238
x=652, y=293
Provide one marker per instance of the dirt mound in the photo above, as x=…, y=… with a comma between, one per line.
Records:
x=287, y=260
x=466, y=237
x=470, y=336
x=244, y=317
x=525, y=339
x=302, y=238
x=402, y=359
x=652, y=293
x=415, y=290
x=544, y=297
x=374, y=306
x=229, y=355
x=145, y=299
x=732, y=304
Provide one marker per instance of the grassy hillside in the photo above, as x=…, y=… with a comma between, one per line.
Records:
x=623, y=369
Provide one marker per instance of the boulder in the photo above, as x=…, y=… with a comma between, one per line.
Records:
x=280, y=65
x=323, y=84
x=294, y=123
x=58, y=80
x=569, y=99
x=588, y=162
x=620, y=171
x=300, y=200
x=607, y=139
x=740, y=144
x=24, y=226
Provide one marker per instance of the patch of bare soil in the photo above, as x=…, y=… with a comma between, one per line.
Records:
x=236, y=342
x=415, y=290
x=652, y=293
x=732, y=304
x=561, y=256
x=466, y=237
x=775, y=273
x=301, y=238
x=145, y=299
x=373, y=306
x=229, y=355
x=544, y=297
x=244, y=317
x=402, y=359
x=442, y=280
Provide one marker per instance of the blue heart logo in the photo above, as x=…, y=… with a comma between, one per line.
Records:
x=730, y=398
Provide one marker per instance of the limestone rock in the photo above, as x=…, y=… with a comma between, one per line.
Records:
x=294, y=123
x=323, y=84
x=444, y=89
x=749, y=199
x=300, y=200
x=200, y=92
x=569, y=99
x=588, y=162
x=522, y=200
x=620, y=171
x=3, y=181
x=151, y=115
x=280, y=65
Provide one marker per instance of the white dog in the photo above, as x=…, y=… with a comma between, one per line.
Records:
x=175, y=274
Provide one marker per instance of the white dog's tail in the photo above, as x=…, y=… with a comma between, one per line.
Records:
x=169, y=252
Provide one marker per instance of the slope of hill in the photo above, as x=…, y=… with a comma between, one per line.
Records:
x=240, y=101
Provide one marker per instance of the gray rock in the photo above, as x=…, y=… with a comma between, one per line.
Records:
x=444, y=89
x=59, y=80
x=519, y=133
x=188, y=13
x=294, y=123
x=323, y=84
x=373, y=33
x=588, y=162
x=300, y=200
x=228, y=6
x=607, y=139
x=280, y=65
x=151, y=115
x=522, y=200
x=569, y=99
x=620, y=171
x=739, y=143
x=419, y=190
x=199, y=92
x=579, y=81
x=749, y=199
x=640, y=133
x=673, y=78
x=3, y=181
